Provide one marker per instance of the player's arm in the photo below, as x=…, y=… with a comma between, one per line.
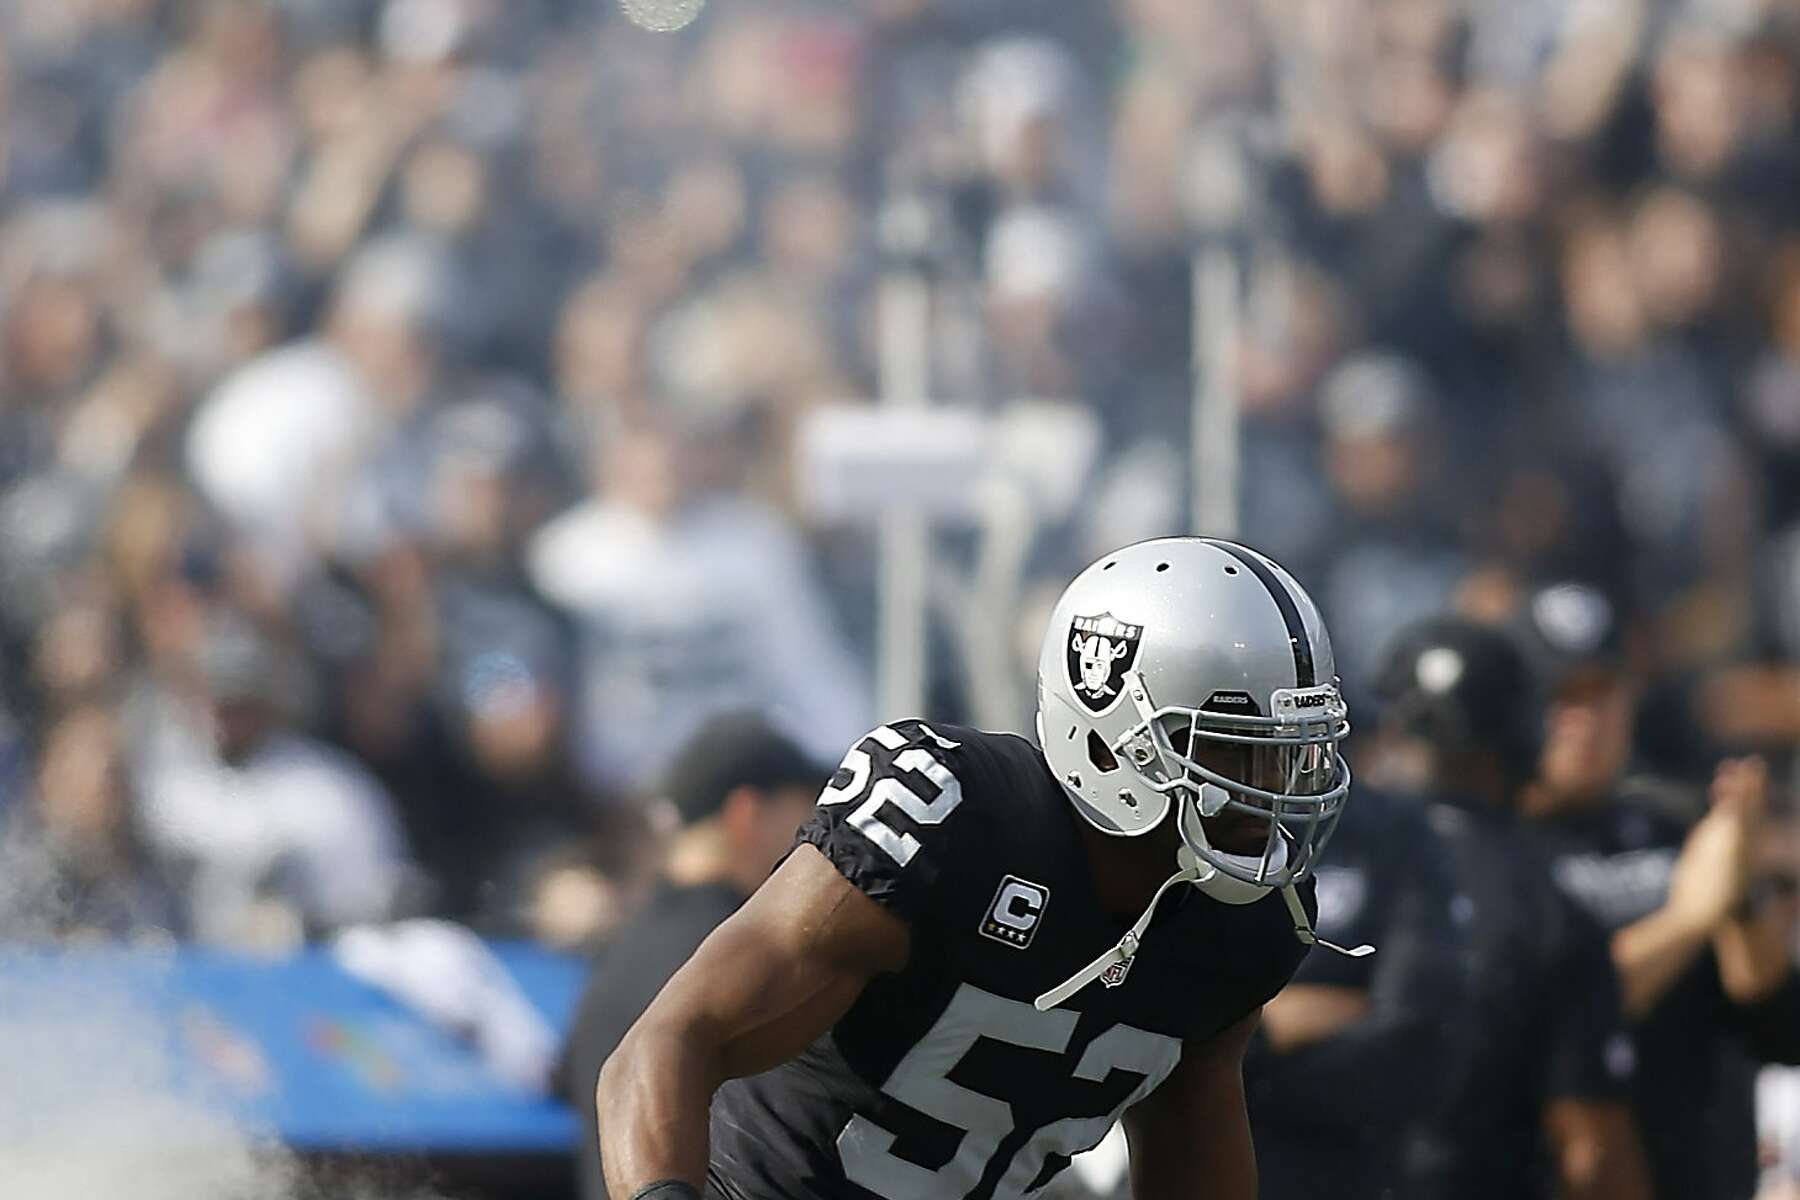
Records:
x=1191, y=1136
x=1754, y=946
x=1653, y=952
x=1759, y=980
x=1709, y=879
x=1587, y=1117
x=1756, y=957
x=762, y=987
x=1598, y=1155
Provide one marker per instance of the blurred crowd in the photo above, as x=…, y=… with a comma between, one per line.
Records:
x=399, y=398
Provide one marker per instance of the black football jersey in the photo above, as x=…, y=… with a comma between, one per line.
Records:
x=943, y=1080
x=1332, y=1117
x=1539, y=1019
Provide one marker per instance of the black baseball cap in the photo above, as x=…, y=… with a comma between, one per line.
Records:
x=733, y=750
x=1464, y=686
x=1571, y=629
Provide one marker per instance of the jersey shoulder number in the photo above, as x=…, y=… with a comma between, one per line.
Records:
x=884, y=818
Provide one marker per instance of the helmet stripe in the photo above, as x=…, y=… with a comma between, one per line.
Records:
x=1284, y=601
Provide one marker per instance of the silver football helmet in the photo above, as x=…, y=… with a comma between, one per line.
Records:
x=1195, y=675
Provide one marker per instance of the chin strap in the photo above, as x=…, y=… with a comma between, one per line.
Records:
x=1304, y=931
x=1127, y=946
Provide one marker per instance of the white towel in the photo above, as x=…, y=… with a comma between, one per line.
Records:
x=448, y=975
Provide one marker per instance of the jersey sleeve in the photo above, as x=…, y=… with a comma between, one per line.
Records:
x=1770, y=1027
x=1591, y=1056
x=892, y=818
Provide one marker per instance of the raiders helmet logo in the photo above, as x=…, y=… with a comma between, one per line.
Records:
x=1101, y=650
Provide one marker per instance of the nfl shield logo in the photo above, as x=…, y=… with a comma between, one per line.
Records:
x=1101, y=649
x=1114, y=975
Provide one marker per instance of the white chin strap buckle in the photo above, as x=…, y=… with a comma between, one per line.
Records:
x=1304, y=931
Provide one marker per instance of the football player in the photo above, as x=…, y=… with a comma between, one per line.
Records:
x=983, y=952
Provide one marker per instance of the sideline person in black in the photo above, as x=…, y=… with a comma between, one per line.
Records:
x=1536, y=1080
x=1348, y=1057
x=1701, y=945
x=739, y=789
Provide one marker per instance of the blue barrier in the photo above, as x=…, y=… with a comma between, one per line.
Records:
x=296, y=1048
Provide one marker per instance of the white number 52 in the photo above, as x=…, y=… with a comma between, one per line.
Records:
x=946, y=792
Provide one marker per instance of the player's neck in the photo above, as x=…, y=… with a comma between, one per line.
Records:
x=1127, y=871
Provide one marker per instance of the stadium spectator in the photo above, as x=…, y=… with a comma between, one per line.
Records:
x=76, y=865
x=1390, y=553
x=689, y=601
x=273, y=835
x=314, y=450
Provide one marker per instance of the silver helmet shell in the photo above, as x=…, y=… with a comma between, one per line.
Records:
x=1177, y=650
